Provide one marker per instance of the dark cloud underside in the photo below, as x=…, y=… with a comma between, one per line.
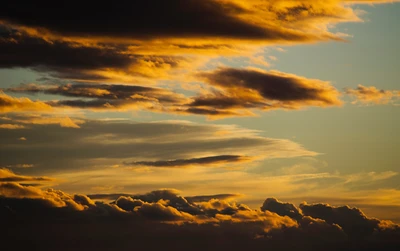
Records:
x=142, y=19
x=187, y=162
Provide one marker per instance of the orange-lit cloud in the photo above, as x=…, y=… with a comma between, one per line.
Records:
x=371, y=95
x=11, y=104
x=11, y=126
x=308, y=224
x=250, y=88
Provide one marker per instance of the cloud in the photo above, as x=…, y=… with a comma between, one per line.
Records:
x=7, y=175
x=11, y=126
x=82, y=61
x=164, y=215
x=140, y=21
x=21, y=166
x=106, y=97
x=250, y=88
x=11, y=104
x=281, y=208
x=40, y=119
x=371, y=95
x=108, y=143
x=205, y=161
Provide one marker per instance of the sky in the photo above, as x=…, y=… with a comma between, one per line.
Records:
x=233, y=123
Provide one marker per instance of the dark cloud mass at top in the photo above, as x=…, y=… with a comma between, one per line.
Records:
x=141, y=19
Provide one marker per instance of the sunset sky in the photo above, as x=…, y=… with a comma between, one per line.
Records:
x=219, y=103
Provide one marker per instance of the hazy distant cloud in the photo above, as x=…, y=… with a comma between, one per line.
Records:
x=21, y=166
x=205, y=161
x=371, y=95
x=11, y=126
x=249, y=88
x=55, y=148
x=26, y=118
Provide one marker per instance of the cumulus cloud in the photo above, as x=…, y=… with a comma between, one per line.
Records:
x=167, y=216
x=371, y=95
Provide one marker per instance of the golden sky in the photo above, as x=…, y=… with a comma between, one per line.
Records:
x=198, y=119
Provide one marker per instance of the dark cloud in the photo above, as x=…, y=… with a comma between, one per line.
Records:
x=76, y=60
x=212, y=160
x=281, y=208
x=247, y=88
x=146, y=20
x=353, y=221
x=101, y=96
x=79, y=223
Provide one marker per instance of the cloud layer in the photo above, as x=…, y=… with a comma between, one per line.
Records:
x=167, y=216
x=156, y=144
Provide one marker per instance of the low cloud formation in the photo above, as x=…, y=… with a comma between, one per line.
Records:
x=168, y=217
x=237, y=89
x=371, y=95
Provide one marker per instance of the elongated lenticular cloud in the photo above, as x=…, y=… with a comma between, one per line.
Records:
x=205, y=161
x=248, y=88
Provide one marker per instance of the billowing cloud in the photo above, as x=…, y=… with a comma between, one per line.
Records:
x=167, y=216
x=371, y=95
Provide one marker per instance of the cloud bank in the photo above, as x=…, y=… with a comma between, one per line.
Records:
x=212, y=223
